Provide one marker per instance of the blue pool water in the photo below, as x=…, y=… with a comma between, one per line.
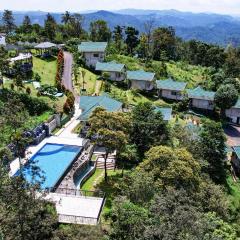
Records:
x=53, y=160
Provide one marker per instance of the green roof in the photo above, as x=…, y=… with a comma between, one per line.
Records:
x=109, y=66
x=200, y=93
x=140, y=75
x=236, y=149
x=89, y=103
x=170, y=84
x=92, y=47
x=166, y=112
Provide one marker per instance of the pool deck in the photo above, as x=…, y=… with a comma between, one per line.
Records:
x=31, y=150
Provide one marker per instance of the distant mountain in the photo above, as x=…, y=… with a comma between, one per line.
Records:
x=208, y=27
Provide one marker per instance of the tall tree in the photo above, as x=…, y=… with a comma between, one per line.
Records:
x=164, y=43
x=212, y=145
x=109, y=130
x=118, y=37
x=131, y=39
x=148, y=27
x=27, y=25
x=8, y=21
x=50, y=27
x=99, y=31
x=226, y=97
x=149, y=128
x=66, y=17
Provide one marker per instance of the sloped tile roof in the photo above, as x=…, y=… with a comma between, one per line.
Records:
x=109, y=66
x=92, y=46
x=199, y=93
x=170, y=84
x=140, y=75
x=89, y=103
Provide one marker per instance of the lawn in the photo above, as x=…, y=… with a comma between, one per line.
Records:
x=90, y=82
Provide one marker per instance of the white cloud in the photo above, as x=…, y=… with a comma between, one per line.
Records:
x=218, y=6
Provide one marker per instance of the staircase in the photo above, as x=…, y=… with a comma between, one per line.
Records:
x=110, y=162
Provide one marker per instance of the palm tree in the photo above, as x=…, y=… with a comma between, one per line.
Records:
x=66, y=17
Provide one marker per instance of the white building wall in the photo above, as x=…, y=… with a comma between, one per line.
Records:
x=233, y=113
x=91, y=59
x=168, y=94
x=2, y=40
x=142, y=85
x=203, y=104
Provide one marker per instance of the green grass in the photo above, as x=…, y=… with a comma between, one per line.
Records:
x=234, y=192
x=91, y=84
x=97, y=176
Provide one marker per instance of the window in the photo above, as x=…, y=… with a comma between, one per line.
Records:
x=96, y=55
x=174, y=93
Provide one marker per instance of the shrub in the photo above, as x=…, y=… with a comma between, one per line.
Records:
x=28, y=90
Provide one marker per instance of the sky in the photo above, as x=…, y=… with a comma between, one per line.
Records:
x=217, y=6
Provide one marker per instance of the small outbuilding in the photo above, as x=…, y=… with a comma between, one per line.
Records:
x=234, y=113
x=117, y=71
x=93, y=52
x=201, y=98
x=45, y=48
x=171, y=89
x=141, y=80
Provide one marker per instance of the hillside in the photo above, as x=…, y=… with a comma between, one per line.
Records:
x=208, y=27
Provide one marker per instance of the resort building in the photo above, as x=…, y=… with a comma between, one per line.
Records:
x=166, y=113
x=2, y=39
x=235, y=159
x=44, y=49
x=141, y=80
x=89, y=103
x=117, y=71
x=234, y=113
x=171, y=89
x=25, y=60
x=93, y=52
x=201, y=98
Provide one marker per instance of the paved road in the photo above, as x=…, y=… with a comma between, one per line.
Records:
x=233, y=135
x=67, y=73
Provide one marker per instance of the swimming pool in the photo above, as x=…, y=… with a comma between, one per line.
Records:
x=53, y=160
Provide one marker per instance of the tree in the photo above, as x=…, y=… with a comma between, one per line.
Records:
x=118, y=37
x=143, y=47
x=75, y=26
x=66, y=17
x=148, y=27
x=226, y=97
x=26, y=25
x=50, y=27
x=212, y=145
x=164, y=43
x=131, y=39
x=3, y=63
x=99, y=31
x=128, y=220
x=110, y=130
x=149, y=128
x=8, y=21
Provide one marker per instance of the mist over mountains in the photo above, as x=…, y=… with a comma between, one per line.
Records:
x=207, y=27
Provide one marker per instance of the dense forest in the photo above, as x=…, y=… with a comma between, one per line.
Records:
x=175, y=186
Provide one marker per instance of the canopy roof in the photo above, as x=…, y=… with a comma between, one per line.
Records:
x=199, y=93
x=92, y=47
x=170, y=84
x=89, y=103
x=140, y=75
x=45, y=45
x=109, y=67
x=21, y=56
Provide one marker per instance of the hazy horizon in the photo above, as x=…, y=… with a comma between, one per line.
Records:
x=227, y=7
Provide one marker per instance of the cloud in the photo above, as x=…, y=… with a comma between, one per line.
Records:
x=217, y=6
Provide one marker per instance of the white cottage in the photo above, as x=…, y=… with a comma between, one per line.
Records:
x=234, y=113
x=93, y=52
x=201, y=98
x=141, y=80
x=117, y=71
x=171, y=89
x=3, y=39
